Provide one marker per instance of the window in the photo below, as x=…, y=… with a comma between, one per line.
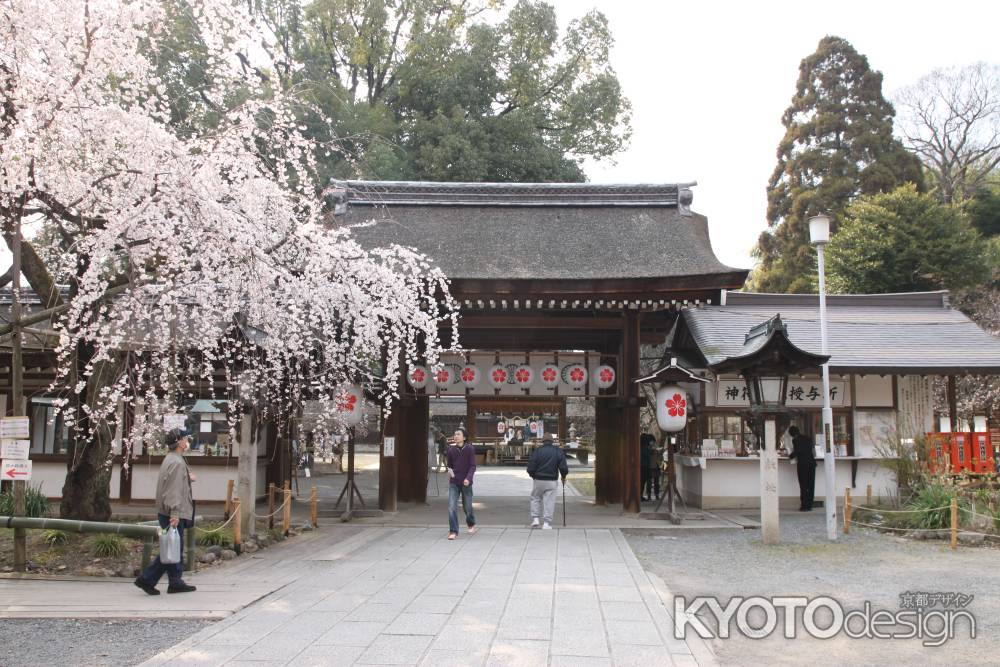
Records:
x=49, y=435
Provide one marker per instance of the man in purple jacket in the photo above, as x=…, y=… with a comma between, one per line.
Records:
x=461, y=460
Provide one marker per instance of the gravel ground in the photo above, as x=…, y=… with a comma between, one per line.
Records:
x=54, y=641
x=862, y=566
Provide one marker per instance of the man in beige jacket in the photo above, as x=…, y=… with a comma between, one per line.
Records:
x=174, y=507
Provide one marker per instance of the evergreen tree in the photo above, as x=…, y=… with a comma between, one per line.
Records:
x=838, y=144
x=905, y=241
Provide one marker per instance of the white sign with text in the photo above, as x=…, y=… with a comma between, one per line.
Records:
x=801, y=393
x=15, y=450
x=18, y=471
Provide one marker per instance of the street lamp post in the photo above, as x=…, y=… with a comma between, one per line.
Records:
x=819, y=236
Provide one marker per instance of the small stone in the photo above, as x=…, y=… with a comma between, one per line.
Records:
x=208, y=557
x=215, y=549
x=306, y=527
x=228, y=554
x=60, y=568
x=971, y=538
x=250, y=547
x=125, y=572
x=8, y=568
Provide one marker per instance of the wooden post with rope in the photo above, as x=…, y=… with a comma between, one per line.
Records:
x=954, y=523
x=847, y=510
x=868, y=495
x=237, y=527
x=229, y=499
x=286, y=519
x=313, y=506
x=270, y=506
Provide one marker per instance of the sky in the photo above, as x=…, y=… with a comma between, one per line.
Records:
x=709, y=80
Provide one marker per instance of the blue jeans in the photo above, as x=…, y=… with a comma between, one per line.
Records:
x=151, y=575
x=466, y=493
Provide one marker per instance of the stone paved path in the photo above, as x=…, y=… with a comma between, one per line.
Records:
x=407, y=596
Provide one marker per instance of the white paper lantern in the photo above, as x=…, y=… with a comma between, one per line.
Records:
x=501, y=426
x=443, y=377
x=671, y=408
x=470, y=375
x=418, y=377
x=605, y=376
x=349, y=402
x=497, y=376
x=575, y=375
x=524, y=375
x=549, y=376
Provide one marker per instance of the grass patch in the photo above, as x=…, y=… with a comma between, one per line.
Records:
x=54, y=537
x=107, y=545
x=36, y=504
x=221, y=538
x=583, y=482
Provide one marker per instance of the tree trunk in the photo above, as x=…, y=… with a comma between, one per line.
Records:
x=86, y=494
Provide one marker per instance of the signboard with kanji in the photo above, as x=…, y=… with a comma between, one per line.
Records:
x=13, y=470
x=15, y=450
x=806, y=393
x=14, y=428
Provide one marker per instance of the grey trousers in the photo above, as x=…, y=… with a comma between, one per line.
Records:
x=543, y=499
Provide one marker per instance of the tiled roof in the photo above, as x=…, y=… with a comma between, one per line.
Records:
x=886, y=333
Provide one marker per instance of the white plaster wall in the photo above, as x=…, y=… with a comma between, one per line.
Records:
x=210, y=485
x=51, y=475
x=873, y=391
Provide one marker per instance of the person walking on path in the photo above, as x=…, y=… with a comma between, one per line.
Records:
x=174, y=507
x=461, y=461
x=805, y=457
x=546, y=465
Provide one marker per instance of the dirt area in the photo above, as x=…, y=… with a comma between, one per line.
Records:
x=76, y=556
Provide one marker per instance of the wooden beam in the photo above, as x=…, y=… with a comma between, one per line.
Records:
x=631, y=464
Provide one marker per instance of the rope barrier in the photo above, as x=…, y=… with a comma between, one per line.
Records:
x=215, y=530
x=879, y=510
x=881, y=527
x=975, y=513
x=268, y=516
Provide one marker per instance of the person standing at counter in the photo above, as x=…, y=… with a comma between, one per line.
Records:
x=804, y=456
x=461, y=462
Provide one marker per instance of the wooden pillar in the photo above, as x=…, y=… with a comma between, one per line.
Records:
x=607, y=452
x=952, y=405
x=631, y=463
x=413, y=461
x=247, y=473
x=387, y=477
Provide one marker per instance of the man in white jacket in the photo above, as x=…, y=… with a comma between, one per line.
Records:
x=174, y=507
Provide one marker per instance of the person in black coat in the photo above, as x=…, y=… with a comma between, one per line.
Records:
x=547, y=465
x=804, y=456
x=649, y=466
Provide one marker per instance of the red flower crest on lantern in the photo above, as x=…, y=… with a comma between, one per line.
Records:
x=442, y=376
x=468, y=374
x=522, y=375
x=346, y=402
x=499, y=375
x=417, y=375
x=576, y=375
x=607, y=375
x=549, y=374
x=676, y=406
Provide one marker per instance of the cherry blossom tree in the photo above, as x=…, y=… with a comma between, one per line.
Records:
x=186, y=253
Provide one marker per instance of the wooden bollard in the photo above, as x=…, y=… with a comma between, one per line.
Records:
x=229, y=499
x=237, y=526
x=868, y=496
x=313, y=506
x=270, y=506
x=286, y=519
x=954, y=523
x=847, y=510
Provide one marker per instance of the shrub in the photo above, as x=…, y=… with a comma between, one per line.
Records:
x=36, y=504
x=53, y=537
x=222, y=538
x=933, y=505
x=107, y=545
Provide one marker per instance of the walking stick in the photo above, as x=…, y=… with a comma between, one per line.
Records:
x=564, y=502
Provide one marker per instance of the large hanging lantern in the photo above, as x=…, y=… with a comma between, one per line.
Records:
x=575, y=375
x=497, y=376
x=418, y=377
x=348, y=401
x=524, y=375
x=671, y=408
x=443, y=377
x=470, y=375
x=605, y=376
x=549, y=376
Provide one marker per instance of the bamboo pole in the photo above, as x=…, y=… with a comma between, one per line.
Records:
x=229, y=499
x=313, y=506
x=237, y=527
x=847, y=510
x=286, y=519
x=17, y=389
x=270, y=506
x=954, y=523
x=868, y=495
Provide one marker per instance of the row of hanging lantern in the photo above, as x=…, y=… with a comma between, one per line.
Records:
x=524, y=376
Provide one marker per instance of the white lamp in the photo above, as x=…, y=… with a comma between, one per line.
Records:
x=819, y=229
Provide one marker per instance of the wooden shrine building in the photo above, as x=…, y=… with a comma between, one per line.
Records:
x=545, y=269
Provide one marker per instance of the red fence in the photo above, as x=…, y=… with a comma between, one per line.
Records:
x=961, y=452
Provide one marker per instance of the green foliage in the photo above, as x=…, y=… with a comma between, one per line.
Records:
x=932, y=506
x=838, y=144
x=984, y=211
x=107, y=545
x=36, y=504
x=904, y=241
x=427, y=90
x=222, y=538
x=54, y=537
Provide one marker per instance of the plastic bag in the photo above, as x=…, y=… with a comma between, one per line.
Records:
x=170, y=546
